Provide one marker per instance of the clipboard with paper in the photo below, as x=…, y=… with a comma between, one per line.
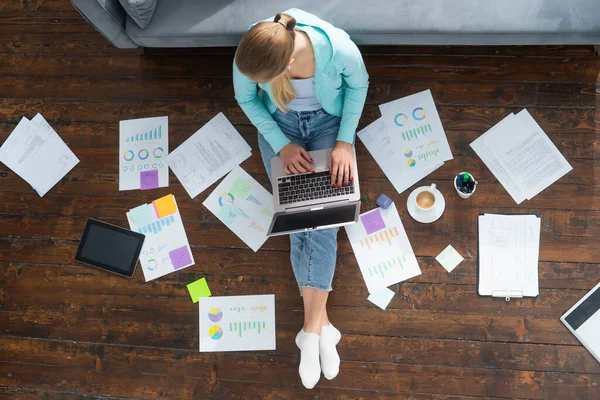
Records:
x=508, y=255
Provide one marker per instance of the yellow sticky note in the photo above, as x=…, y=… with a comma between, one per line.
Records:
x=165, y=205
x=198, y=289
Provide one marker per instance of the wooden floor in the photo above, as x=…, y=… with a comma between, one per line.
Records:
x=72, y=332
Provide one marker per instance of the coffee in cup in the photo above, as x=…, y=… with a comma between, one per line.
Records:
x=426, y=198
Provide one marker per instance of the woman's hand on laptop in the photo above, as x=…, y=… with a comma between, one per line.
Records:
x=341, y=164
x=295, y=159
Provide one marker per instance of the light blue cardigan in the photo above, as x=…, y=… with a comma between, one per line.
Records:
x=341, y=82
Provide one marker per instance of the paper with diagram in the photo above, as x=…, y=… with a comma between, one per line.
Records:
x=382, y=249
x=244, y=206
x=414, y=123
x=508, y=255
x=36, y=153
x=209, y=154
x=387, y=150
x=166, y=248
x=237, y=323
x=143, y=148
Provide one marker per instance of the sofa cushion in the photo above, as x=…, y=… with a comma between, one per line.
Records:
x=108, y=18
x=195, y=23
x=140, y=11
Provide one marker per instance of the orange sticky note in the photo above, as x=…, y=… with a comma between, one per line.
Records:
x=165, y=205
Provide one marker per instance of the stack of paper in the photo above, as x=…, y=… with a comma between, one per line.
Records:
x=408, y=141
x=382, y=249
x=509, y=248
x=210, y=153
x=36, y=153
x=244, y=206
x=143, y=148
x=521, y=156
x=166, y=248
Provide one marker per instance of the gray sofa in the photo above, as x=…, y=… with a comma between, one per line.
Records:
x=205, y=23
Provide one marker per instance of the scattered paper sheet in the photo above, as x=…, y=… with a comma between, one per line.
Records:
x=521, y=156
x=198, y=289
x=381, y=298
x=386, y=256
x=414, y=124
x=210, y=153
x=166, y=248
x=143, y=148
x=509, y=248
x=244, y=206
x=36, y=153
x=387, y=151
x=237, y=323
x=449, y=258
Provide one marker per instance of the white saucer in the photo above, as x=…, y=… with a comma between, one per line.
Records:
x=428, y=216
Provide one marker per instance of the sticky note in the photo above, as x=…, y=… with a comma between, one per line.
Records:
x=142, y=215
x=198, y=289
x=372, y=221
x=449, y=258
x=180, y=257
x=381, y=298
x=165, y=205
x=149, y=179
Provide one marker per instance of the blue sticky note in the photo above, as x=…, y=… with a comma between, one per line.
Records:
x=142, y=215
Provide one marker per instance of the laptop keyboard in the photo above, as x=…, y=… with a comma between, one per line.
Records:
x=296, y=188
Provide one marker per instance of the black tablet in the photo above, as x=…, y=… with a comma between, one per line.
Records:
x=110, y=247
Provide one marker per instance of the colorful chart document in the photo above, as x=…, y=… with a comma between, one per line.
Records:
x=387, y=150
x=382, y=249
x=237, y=323
x=414, y=122
x=36, y=153
x=244, y=206
x=166, y=248
x=143, y=149
x=210, y=153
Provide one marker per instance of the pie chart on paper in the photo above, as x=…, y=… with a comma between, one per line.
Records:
x=215, y=314
x=215, y=332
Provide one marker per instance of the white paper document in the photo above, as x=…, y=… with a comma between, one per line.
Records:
x=244, y=206
x=166, y=248
x=386, y=149
x=209, y=154
x=521, y=156
x=414, y=123
x=509, y=248
x=237, y=323
x=36, y=153
x=382, y=249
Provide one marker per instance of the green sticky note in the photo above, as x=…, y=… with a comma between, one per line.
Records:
x=198, y=289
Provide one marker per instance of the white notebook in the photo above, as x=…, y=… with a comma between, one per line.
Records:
x=509, y=248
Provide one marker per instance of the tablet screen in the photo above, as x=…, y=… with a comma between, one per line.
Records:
x=110, y=247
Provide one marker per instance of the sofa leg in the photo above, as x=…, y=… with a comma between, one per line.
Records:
x=597, y=50
x=141, y=51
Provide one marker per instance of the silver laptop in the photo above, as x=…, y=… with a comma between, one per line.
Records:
x=583, y=320
x=308, y=202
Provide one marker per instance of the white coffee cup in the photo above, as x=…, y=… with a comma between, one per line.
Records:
x=425, y=198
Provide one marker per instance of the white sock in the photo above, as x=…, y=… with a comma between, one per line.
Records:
x=310, y=370
x=330, y=359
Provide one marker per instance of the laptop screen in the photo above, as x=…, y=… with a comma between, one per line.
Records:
x=286, y=222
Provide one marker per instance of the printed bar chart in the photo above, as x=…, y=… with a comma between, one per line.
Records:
x=156, y=226
x=152, y=134
x=414, y=134
x=381, y=268
x=242, y=328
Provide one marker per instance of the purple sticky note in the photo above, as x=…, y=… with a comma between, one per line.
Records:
x=180, y=257
x=373, y=221
x=149, y=179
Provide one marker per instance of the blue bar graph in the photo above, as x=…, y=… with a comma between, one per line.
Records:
x=156, y=226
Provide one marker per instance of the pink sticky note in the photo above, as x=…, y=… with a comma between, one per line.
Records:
x=372, y=221
x=149, y=179
x=180, y=257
